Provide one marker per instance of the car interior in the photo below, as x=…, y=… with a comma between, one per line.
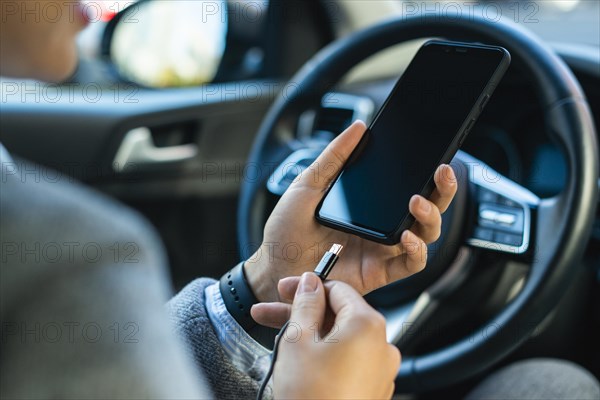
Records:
x=185, y=111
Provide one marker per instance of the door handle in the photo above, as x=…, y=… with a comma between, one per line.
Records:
x=138, y=149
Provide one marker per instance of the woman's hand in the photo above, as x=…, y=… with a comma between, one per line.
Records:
x=350, y=360
x=294, y=241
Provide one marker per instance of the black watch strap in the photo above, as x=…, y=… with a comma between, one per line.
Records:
x=238, y=299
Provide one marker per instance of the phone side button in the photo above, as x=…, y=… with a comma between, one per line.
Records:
x=465, y=132
x=462, y=138
x=469, y=126
x=484, y=101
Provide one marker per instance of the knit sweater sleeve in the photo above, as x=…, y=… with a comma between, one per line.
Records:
x=190, y=318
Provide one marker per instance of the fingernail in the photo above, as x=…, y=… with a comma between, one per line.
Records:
x=424, y=205
x=308, y=283
x=449, y=174
x=404, y=235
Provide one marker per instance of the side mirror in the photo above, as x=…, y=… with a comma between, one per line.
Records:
x=158, y=43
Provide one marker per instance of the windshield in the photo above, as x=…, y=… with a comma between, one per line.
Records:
x=559, y=21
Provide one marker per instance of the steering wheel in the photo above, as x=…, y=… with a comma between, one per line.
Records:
x=550, y=234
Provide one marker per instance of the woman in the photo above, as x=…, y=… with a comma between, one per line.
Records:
x=64, y=325
x=82, y=328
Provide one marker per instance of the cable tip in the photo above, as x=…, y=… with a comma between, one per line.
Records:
x=336, y=249
x=328, y=261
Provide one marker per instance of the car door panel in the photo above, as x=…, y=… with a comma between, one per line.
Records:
x=191, y=202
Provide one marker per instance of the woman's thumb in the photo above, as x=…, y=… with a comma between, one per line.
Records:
x=329, y=163
x=309, y=302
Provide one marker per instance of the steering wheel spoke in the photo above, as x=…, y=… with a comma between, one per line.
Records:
x=406, y=322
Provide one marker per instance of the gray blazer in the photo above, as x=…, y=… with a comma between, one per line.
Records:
x=83, y=283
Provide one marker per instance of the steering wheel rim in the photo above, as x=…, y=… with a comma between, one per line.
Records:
x=562, y=220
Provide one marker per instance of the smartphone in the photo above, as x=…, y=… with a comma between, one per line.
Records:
x=421, y=125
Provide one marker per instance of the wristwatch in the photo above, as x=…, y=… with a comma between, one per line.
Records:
x=239, y=299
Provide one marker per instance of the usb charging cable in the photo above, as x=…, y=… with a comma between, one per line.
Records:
x=322, y=271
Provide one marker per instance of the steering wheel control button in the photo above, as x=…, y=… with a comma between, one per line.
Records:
x=506, y=219
x=498, y=217
x=507, y=202
x=488, y=215
x=484, y=234
x=507, y=238
x=501, y=218
x=487, y=196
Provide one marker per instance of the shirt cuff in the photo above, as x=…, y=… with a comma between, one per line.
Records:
x=246, y=354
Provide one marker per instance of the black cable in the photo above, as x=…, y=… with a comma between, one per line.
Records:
x=322, y=270
x=265, y=382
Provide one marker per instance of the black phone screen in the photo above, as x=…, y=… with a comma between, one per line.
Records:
x=410, y=135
